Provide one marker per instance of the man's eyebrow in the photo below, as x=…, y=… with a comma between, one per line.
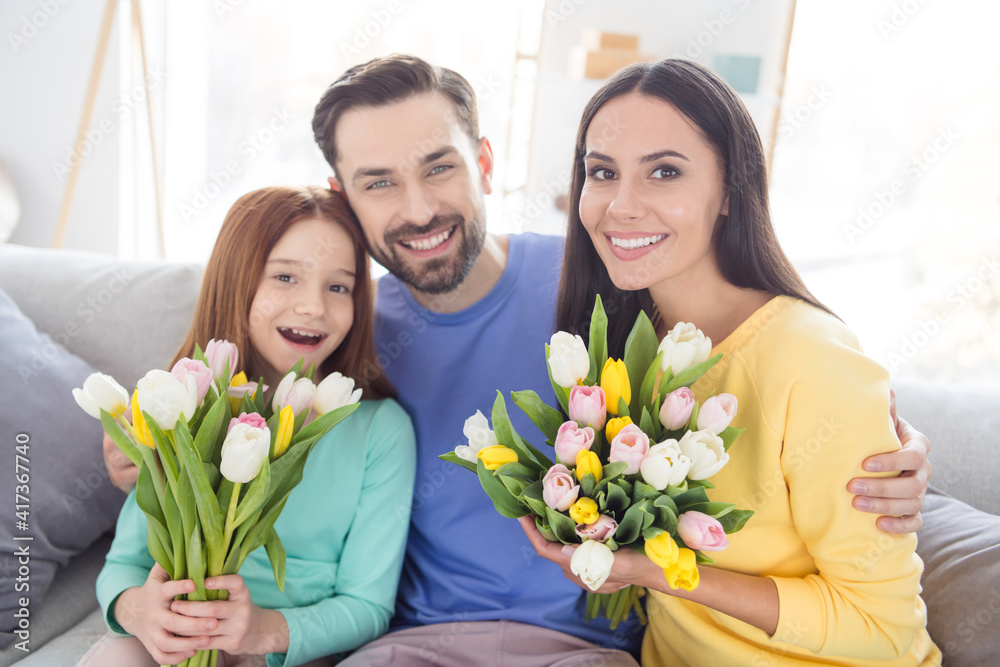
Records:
x=651, y=157
x=375, y=172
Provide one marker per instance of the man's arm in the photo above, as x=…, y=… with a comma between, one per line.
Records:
x=898, y=498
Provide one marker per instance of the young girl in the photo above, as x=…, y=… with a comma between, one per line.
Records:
x=288, y=279
x=669, y=214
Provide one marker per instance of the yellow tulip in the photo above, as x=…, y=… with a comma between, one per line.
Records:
x=496, y=456
x=587, y=462
x=662, y=550
x=616, y=425
x=286, y=423
x=234, y=403
x=683, y=573
x=614, y=382
x=139, y=425
x=584, y=511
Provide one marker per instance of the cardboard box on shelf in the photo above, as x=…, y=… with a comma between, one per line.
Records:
x=596, y=40
x=585, y=63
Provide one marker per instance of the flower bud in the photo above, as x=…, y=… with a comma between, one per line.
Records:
x=615, y=383
x=569, y=361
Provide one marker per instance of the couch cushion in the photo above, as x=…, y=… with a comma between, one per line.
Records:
x=963, y=425
x=69, y=500
x=58, y=635
x=123, y=317
x=960, y=547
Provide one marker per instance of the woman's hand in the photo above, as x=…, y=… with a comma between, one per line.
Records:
x=242, y=628
x=145, y=613
x=902, y=497
x=630, y=567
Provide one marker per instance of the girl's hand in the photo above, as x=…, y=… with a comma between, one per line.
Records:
x=242, y=628
x=145, y=613
x=630, y=567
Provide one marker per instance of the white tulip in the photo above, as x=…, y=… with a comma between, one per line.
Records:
x=717, y=413
x=296, y=393
x=165, y=398
x=664, y=465
x=707, y=453
x=244, y=451
x=592, y=562
x=569, y=360
x=101, y=392
x=477, y=430
x=335, y=391
x=684, y=346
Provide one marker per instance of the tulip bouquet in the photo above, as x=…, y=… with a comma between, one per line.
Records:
x=632, y=461
x=216, y=463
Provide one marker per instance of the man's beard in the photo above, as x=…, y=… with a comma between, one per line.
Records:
x=439, y=275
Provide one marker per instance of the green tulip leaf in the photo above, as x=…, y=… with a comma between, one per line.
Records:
x=545, y=417
x=617, y=500
x=648, y=384
x=695, y=495
x=733, y=521
x=507, y=436
x=196, y=562
x=714, y=510
x=563, y=526
x=632, y=523
x=204, y=440
x=322, y=424
x=640, y=350
x=452, y=457
x=120, y=438
x=276, y=554
x=648, y=426
x=729, y=436
x=514, y=484
x=156, y=536
x=545, y=529
x=176, y=530
x=146, y=496
x=506, y=504
x=587, y=485
x=529, y=475
x=642, y=491
x=255, y=496
x=204, y=496
x=688, y=376
x=598, y=347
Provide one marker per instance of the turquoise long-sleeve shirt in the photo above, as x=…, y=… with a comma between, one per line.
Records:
x=344, y=529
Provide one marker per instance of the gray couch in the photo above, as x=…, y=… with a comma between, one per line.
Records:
x=121, y=317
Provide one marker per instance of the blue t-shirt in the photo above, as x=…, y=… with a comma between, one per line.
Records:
x=464, y=561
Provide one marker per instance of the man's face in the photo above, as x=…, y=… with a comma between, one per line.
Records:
x=416, y=182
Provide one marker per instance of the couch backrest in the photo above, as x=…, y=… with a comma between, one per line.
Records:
x=123, y=317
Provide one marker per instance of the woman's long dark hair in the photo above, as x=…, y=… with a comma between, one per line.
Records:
x=748, y=251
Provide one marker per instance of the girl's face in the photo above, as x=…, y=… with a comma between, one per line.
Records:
x=653, y=192
x=304, y=305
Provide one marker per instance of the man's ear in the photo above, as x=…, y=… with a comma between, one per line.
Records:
x=485, y=160
x=335, y=184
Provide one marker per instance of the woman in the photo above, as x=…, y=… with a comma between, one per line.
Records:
x=669, y=214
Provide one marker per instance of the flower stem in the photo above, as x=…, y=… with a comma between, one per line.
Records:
x=231, y=516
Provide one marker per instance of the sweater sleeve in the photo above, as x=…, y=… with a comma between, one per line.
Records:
x=128, y=562
x=372, y=557
x=863, y=601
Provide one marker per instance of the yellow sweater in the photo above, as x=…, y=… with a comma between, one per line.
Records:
x=814, y=407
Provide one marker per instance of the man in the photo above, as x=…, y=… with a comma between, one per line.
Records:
x=463, y=314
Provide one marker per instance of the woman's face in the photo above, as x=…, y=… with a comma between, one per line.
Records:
x=653, y=192
x=304, y=304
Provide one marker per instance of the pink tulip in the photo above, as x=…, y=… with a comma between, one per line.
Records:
x=296, y=393
x=201, y=373
x=601, y=530
x=218, y=352
x=717, y=413
x=588, y=407
x=676, y=409
x=630, y=446
x=571, y=439
x=702, y=532
x=252, y=419
x=559, y=489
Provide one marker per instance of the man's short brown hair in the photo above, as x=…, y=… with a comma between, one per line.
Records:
x=383, y=81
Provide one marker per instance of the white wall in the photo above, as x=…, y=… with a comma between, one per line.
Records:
x=666, y=28
x=45, y=60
